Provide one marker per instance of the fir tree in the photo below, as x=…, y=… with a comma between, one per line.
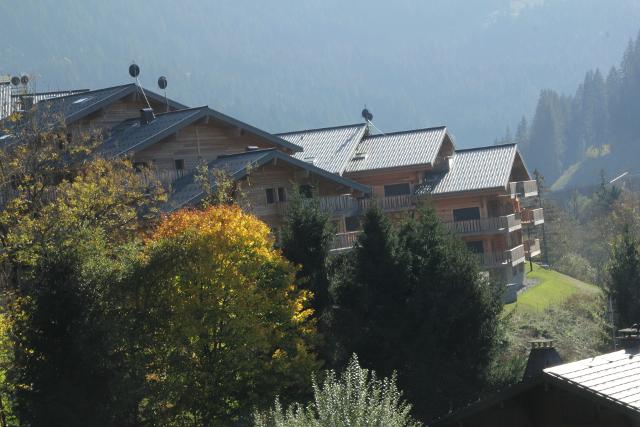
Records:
x=624, y=279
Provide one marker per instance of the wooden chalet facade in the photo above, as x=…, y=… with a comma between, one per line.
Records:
x=485, y=195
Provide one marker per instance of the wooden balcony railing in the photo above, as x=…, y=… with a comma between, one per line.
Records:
x=501, y=224
x=344, y=241
x=523, y=188
x=511, y=257
x=532, y=216
x=532, y=247
x=391, y=203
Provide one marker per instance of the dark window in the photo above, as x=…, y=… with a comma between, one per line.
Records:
x=352, y=223
x=270, y=195
x=282, y=194
x=139, y=166
x=179, y=167
x=475, y=246
x=306, y=191
x=466, y=214
x=397, y=190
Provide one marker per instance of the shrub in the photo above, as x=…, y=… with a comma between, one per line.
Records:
x=355, y=398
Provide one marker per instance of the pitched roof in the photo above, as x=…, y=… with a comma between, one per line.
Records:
x=79, y=105
x=130, y=135
x=187, y=191
x=409, y=148
x=480, y=168
x=328, y=148
x=613, y=376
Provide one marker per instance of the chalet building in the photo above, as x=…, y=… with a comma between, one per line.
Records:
x=601, y=391
x=486, y=195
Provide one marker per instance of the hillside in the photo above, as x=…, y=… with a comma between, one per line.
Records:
x=561, y=308
x=287, y=64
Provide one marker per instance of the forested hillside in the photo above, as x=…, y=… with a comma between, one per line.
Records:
x=472, y=65
x=573, y=139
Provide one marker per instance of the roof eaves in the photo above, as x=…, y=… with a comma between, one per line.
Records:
x=126, y=90
x=321, y=172
x=254, y=130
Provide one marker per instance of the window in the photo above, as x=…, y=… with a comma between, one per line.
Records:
x=466, y=214
x=397, y=189
x=352, y=223
x=475, y=246
x=270, y=196
x=306, y=191
x=282, y=194
x=179, y=167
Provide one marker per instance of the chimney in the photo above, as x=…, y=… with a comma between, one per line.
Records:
x=146, y=116
x=543, y=355
x=629, y=338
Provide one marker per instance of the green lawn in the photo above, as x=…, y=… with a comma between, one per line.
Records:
x=553, y=288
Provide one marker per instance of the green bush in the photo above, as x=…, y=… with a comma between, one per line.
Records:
x=576, y=266
x=356, y=398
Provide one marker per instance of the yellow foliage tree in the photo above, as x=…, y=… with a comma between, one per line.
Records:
x=232, y=330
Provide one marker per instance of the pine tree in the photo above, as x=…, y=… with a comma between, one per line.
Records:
x=624, y=279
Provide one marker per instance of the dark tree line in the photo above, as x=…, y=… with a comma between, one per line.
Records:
x=599, y=121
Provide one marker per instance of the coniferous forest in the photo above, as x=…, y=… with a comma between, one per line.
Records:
x=573, y=139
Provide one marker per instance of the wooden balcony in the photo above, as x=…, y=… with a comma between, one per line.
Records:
x=332, y=205
x=523, y=188
x=532, y=216
x=532, y=247
x=344, y=241
x=390, y=204
x=511, y=257
x=501, y=224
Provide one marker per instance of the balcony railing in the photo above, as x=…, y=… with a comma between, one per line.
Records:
x=532, y=216
x=523, y=188
x=344, y=241
x=501, y=224
x=511, y=257
x=391, y=203
x=532, y=247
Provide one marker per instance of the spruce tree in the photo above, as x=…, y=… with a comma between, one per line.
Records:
x=624, y=279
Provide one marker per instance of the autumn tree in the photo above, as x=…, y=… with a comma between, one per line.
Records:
x=231, y=329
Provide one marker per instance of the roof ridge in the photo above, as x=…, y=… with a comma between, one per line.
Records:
x=400, y=132
x=90, y=91
x=321, y=129
x=487, y=147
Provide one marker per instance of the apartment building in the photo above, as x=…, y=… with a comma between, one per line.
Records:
x=485, y=195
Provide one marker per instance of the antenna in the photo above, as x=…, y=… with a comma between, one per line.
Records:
x=368, y=117
x=162, y=84
x=134, y=71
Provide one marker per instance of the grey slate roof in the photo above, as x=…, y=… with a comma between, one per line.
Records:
x=613, y=376
x=186, y=191
x=415, y=147
x=473, y=169
x=131, y=135
x=328, y=148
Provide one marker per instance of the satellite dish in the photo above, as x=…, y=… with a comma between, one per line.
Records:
x=367, y=115
x=134, y=70
x=24, y=79
x=15, y=80
x=162, y=82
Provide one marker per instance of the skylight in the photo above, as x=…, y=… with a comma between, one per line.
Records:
x=81, y=100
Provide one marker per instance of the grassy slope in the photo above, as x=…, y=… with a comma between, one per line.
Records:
x=553, y=288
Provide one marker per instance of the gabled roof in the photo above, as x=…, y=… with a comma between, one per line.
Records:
x=473, y=169
x=329, y=148
x=79, y=105
x=131, y=135
x=187, y=191
x=398, y=149
x=613, y=376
